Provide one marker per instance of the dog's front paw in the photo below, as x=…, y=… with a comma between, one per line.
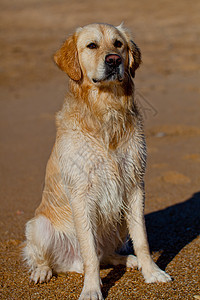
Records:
x=155, y=274
x=91, y=295
x=41, y=274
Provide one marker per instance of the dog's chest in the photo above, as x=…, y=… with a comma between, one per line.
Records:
x=129, y=166
x=120, y=172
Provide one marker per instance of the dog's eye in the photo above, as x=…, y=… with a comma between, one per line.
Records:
x=92, y=46
x=117, y=44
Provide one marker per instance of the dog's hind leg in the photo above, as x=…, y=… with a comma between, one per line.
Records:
x=40, y=239
x=130, y=261
x=48, y=250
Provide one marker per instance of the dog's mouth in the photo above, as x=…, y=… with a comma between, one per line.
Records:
x=112, y=76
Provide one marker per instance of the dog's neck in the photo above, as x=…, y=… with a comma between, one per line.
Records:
x=112, y=109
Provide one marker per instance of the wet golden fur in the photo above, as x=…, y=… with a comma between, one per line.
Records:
x=94, y=191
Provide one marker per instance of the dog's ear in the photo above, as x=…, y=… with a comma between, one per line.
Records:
x=135, y=58
x=134, y=52
x=67, y=59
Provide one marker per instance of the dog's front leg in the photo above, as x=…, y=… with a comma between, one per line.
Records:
x=86, y=237
x=137, y=230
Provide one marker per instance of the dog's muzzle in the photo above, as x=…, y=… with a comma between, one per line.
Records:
x=113, y=63
x=113, y=69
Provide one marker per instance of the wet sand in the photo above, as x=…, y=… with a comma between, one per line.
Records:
x=168, y=91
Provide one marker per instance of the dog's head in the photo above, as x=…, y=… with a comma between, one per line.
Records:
x=99, y=53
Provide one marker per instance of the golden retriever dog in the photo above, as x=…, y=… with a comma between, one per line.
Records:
x=94, y=190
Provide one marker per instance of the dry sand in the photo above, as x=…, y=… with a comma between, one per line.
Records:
x=168, y=90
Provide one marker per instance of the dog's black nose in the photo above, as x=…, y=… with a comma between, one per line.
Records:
x=113, y=60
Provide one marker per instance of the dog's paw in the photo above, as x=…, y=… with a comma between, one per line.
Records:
x=131, y=261
x=41, y=274
x=155, y=274
x=91, y=295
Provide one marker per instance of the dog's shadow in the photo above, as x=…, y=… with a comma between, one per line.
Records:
x=169, y=230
